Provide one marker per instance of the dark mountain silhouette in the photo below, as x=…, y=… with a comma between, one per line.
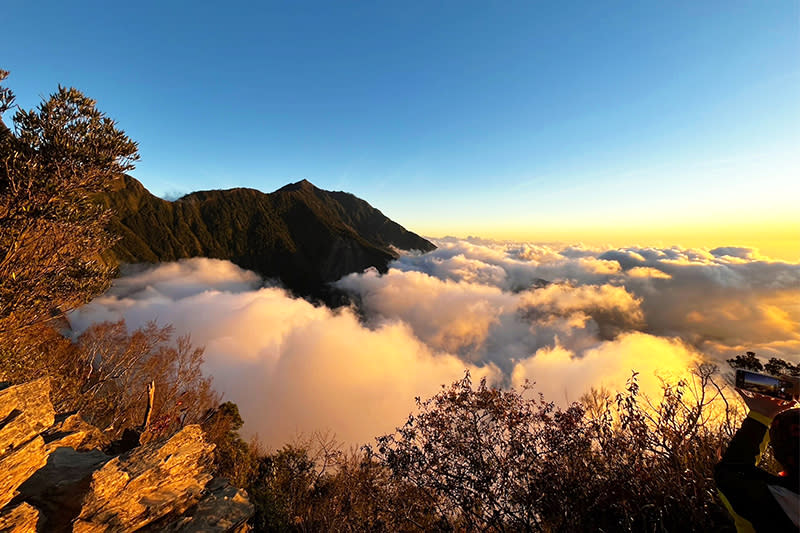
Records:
x=300, y=234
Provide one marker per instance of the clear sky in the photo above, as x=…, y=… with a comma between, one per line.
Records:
x=638, y=122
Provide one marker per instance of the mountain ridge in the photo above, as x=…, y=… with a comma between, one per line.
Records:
x=305, y=236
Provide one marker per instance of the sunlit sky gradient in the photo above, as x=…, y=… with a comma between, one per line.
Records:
x=670, y=123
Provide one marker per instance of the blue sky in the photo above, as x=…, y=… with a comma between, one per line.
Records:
x=501, y=119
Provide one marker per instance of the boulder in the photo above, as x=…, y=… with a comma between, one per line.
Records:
x=73, y=432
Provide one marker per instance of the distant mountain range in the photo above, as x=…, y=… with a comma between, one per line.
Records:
x=302, y=235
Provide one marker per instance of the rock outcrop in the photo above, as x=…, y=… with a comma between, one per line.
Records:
x=25, y=412
x=55, y=477
x=22, y=518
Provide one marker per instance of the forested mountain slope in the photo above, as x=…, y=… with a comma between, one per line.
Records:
x=301, y=234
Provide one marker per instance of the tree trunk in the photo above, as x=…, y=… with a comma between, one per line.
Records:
x=151, y=392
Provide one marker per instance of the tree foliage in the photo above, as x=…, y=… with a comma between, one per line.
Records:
x=233, y=457
x=748, y=361
x=56, y=158
x=775, y=365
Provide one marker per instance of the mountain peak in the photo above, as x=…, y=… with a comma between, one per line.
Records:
x=302, y=185
x=305, y=236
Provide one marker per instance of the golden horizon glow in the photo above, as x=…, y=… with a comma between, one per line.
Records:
x=775, y=239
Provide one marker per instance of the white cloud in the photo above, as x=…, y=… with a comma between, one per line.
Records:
x=473, y=305
x=290, y=366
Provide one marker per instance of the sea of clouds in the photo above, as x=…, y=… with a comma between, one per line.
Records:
x=565, y=317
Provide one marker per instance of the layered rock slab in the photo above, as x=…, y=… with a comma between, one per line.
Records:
x=48, y=485
x=23, y=518
x=132, y=490
x=25, y=412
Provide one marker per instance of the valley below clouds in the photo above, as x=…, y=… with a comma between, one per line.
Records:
x=566, y=318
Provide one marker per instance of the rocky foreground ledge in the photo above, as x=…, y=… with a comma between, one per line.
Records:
x=54, y=476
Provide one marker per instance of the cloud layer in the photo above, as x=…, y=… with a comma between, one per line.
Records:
x=566, y=318
x=290, y=366
x=721, y=301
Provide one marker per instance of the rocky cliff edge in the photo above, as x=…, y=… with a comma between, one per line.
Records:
x=55, y=477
